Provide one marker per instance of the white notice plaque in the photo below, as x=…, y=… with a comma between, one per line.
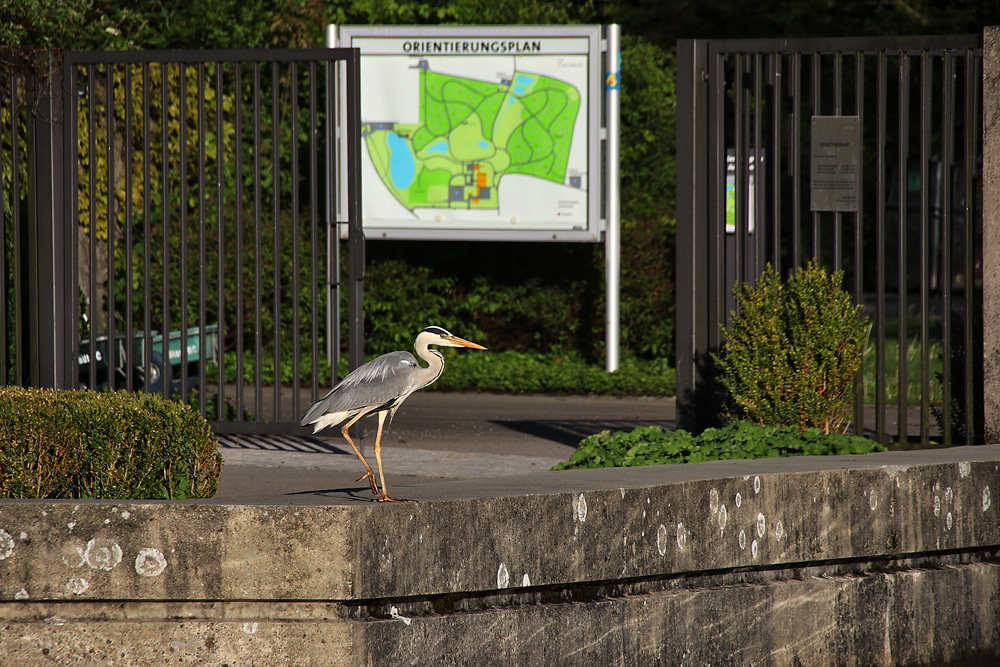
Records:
x=835, y=163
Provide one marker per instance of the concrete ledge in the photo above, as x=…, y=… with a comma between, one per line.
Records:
x=883, y=559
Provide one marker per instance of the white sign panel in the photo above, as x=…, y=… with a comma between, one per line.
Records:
x=835, y=163
x=480, y=132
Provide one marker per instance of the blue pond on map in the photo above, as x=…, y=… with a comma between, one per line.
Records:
x=402, y=167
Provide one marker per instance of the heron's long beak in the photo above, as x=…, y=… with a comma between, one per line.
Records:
x=464, y=343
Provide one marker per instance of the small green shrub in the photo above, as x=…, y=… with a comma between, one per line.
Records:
x=88, y=444
x=651, y=445
x=793, y=351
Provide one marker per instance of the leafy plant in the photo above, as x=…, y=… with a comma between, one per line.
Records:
x=793, y=351
x=650, y=445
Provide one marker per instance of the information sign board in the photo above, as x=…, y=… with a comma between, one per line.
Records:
x=480, y=132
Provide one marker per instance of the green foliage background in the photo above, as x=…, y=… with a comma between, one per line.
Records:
x=523, y=297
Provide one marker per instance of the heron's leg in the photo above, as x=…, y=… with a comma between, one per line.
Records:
x=378, y=457
x=371, y=473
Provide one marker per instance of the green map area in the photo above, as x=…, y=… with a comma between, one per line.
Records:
x=470, y=134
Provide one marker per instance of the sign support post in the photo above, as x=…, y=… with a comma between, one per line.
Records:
x=612, y=239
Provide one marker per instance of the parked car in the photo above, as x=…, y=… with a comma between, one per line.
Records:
x=131, y=358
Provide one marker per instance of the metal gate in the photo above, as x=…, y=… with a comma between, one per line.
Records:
x=911, y=251
x=177, y=223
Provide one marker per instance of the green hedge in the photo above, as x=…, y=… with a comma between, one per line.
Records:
x=649, y=445
x=88, y=444
x=511, y=372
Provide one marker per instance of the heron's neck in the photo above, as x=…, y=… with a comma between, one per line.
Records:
x=435, y=364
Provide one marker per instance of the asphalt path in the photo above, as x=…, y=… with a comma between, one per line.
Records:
x=438, y=438
x=434, y=437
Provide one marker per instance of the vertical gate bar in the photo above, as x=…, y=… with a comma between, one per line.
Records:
x=147, y=297
x=165, y=230
x=11, y=365
x=296, y=267
x=902, y=269
x=202, y=249
x=20, y=370
x=276, y=239
x=314, y=276
x=92, y=231
x=356, y=238
x=795, y=137
x=129, y=292
x=692, y=152
x=257, y=236
x=183, y=295
x=220, y=260
x=717, y=210
x=740, y=177
x=925, y=241
x=774, y=168
x=71, y=181
x=10, y=368
x=334, y=279
x=816, y=110
x=335, y=286
x=859, y=285
x=109, y=122
x=881, y=105
x=759, y=181
x=972, y=79
x=947, y=166
x=838, y=107
x=238, y=155
x=8, y=83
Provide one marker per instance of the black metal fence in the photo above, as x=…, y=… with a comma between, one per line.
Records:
x=911, y=252
x=173, y=214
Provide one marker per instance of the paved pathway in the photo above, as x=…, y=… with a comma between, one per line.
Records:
x=434, y=436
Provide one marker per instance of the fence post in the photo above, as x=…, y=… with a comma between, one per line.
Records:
x=692, y=252
x=49, y=327
x=991, y=232
x=355, y=234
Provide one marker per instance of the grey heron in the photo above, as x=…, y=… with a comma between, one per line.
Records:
x=379, y=387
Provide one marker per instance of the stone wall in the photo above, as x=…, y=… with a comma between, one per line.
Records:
x=882, y=559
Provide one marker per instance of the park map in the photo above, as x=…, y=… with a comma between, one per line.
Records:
x=470, y=134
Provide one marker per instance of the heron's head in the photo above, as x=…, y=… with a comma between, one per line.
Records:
x=444, y=338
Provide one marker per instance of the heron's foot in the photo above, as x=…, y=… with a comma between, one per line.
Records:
x=370, y=476
x=384, y=497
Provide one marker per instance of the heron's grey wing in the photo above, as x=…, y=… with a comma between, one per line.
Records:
x=374, y=384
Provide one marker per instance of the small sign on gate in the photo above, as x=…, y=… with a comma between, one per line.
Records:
x=835, y=163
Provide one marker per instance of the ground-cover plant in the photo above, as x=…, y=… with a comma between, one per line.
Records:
x=89, y=444
x=650, y=445
x=793, y=350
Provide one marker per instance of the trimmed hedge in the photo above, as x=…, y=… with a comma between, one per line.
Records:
x=512, y=372
x=89, y=444
x=651, y=445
